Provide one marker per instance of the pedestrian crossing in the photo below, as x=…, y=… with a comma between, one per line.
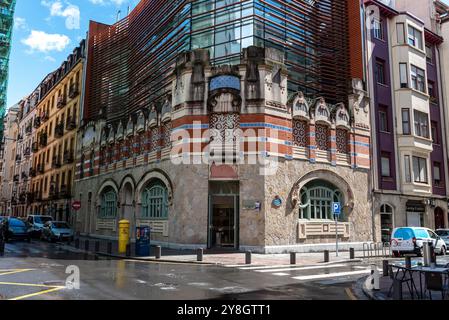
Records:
x=316, y=272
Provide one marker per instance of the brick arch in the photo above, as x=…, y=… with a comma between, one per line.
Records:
x=107, y=183
x=147, y=178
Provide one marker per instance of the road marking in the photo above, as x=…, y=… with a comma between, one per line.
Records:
x=350, y=294
x=27, y=285
x=6, y=272
x=268, y=267
x=37, y=293
x=303, y=268
x=281, y=274
x=332, y=275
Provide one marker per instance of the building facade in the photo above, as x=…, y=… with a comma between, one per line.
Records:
x=403, y=41
x=23, y=171
x=8, y=185
x=58, y=109
x=229, y=144
x=6, y=23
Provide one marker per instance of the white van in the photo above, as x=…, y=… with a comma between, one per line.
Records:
x=36, y=223
x=411, y=240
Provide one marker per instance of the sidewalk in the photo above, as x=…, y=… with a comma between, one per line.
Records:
x=231, y=258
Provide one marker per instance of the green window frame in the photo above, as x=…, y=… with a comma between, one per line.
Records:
x=155, y=201
x=108, y=207
x=316, y=202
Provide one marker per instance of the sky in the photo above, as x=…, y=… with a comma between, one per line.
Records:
x=46, y=32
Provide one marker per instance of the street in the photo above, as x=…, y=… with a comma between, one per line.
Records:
x=38, y=271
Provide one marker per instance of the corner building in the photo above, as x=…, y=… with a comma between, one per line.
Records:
x=239, y=144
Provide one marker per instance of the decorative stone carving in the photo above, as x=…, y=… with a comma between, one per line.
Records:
x=166, y=111
x=300, y=107
x=224, y=102
x=119, y=135
x=140, y=127
x=199, y=58
x=130, y=128
x=322, y=112
x=152, y=117
x=111, y=139
x=104, y=138
x=342, y=117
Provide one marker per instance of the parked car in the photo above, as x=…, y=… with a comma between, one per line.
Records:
x=443, y=234
x=57, y=230
x=15, y=229
x=37, y=223
x=411, y=240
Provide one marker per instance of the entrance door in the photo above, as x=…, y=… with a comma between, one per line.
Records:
x=439, y=218
x=223, y=217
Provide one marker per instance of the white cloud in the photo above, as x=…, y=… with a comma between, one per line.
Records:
x=70, y=12
x=45, y=42
x=20, y=23
x=105, y=2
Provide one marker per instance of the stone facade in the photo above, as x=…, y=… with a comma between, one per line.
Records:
x=214, y=163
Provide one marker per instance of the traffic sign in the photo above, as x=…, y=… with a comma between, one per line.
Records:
x=76, y=205
x=336, y=208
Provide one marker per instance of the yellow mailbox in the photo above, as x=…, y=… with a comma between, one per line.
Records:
x=123, y=236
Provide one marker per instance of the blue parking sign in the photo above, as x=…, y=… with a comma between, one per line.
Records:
x=336, y=208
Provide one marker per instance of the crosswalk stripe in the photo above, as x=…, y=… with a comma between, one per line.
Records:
x=332, y=275
x=281, y=274
x=303, y=268
x=268, y=267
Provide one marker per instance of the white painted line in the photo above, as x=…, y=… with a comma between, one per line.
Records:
x=281, y=274
x=332, y=275
x=234, y=265
x=304, y=268
x=269, y=267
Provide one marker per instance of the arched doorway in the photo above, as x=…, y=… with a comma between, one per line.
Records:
x=386, y=222
x=439, y=218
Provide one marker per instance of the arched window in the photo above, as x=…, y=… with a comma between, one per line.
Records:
x=300, y=130
x=316, y=200
x=342, y=138
x=108, y=207
x=155, y=201
x=386, y=222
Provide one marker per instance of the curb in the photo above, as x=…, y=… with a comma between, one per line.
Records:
x=372, y=295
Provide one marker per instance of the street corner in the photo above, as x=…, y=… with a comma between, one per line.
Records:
x=20, y=284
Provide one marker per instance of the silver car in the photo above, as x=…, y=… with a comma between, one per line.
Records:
x=57, y=231
x=443, y=234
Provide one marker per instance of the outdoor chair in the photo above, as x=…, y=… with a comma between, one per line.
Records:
x=436, y=281
x=404, y=278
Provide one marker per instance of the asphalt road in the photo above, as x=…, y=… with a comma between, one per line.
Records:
x=38, y=271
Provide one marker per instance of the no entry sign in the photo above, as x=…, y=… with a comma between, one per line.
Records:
x=76, y=205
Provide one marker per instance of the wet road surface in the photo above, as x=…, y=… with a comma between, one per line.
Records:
x=38, y=271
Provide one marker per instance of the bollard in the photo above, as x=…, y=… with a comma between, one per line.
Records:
x=248, y=257
x=199, y=254
x=351, y=253
x=292, y=257
x=385, y=265
x=158, y=252
x=433, y=256
x=408, y=262
x=426, y=254
x=77, y=243
x=97, y=246
x=109, y=247
x=326, y=256
x=397, y=290
x=2, y=247
x=128, y=250
x=86, y=245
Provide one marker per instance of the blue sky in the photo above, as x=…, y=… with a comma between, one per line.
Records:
x=45, y=33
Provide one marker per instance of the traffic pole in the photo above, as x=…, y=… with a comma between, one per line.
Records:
x=336, y=236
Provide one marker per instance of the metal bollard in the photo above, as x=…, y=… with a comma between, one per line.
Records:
x=77, y=243
x=408, y=262
x=199, y=254
x=158, y=252
x=351, y=253
x=128, y=250
x=326, y=256
x=86, y=245
x=109, y=247
x=292, y=257
x=97, y=246
x=248, y=257
x=385, y=265
x=397, y=290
